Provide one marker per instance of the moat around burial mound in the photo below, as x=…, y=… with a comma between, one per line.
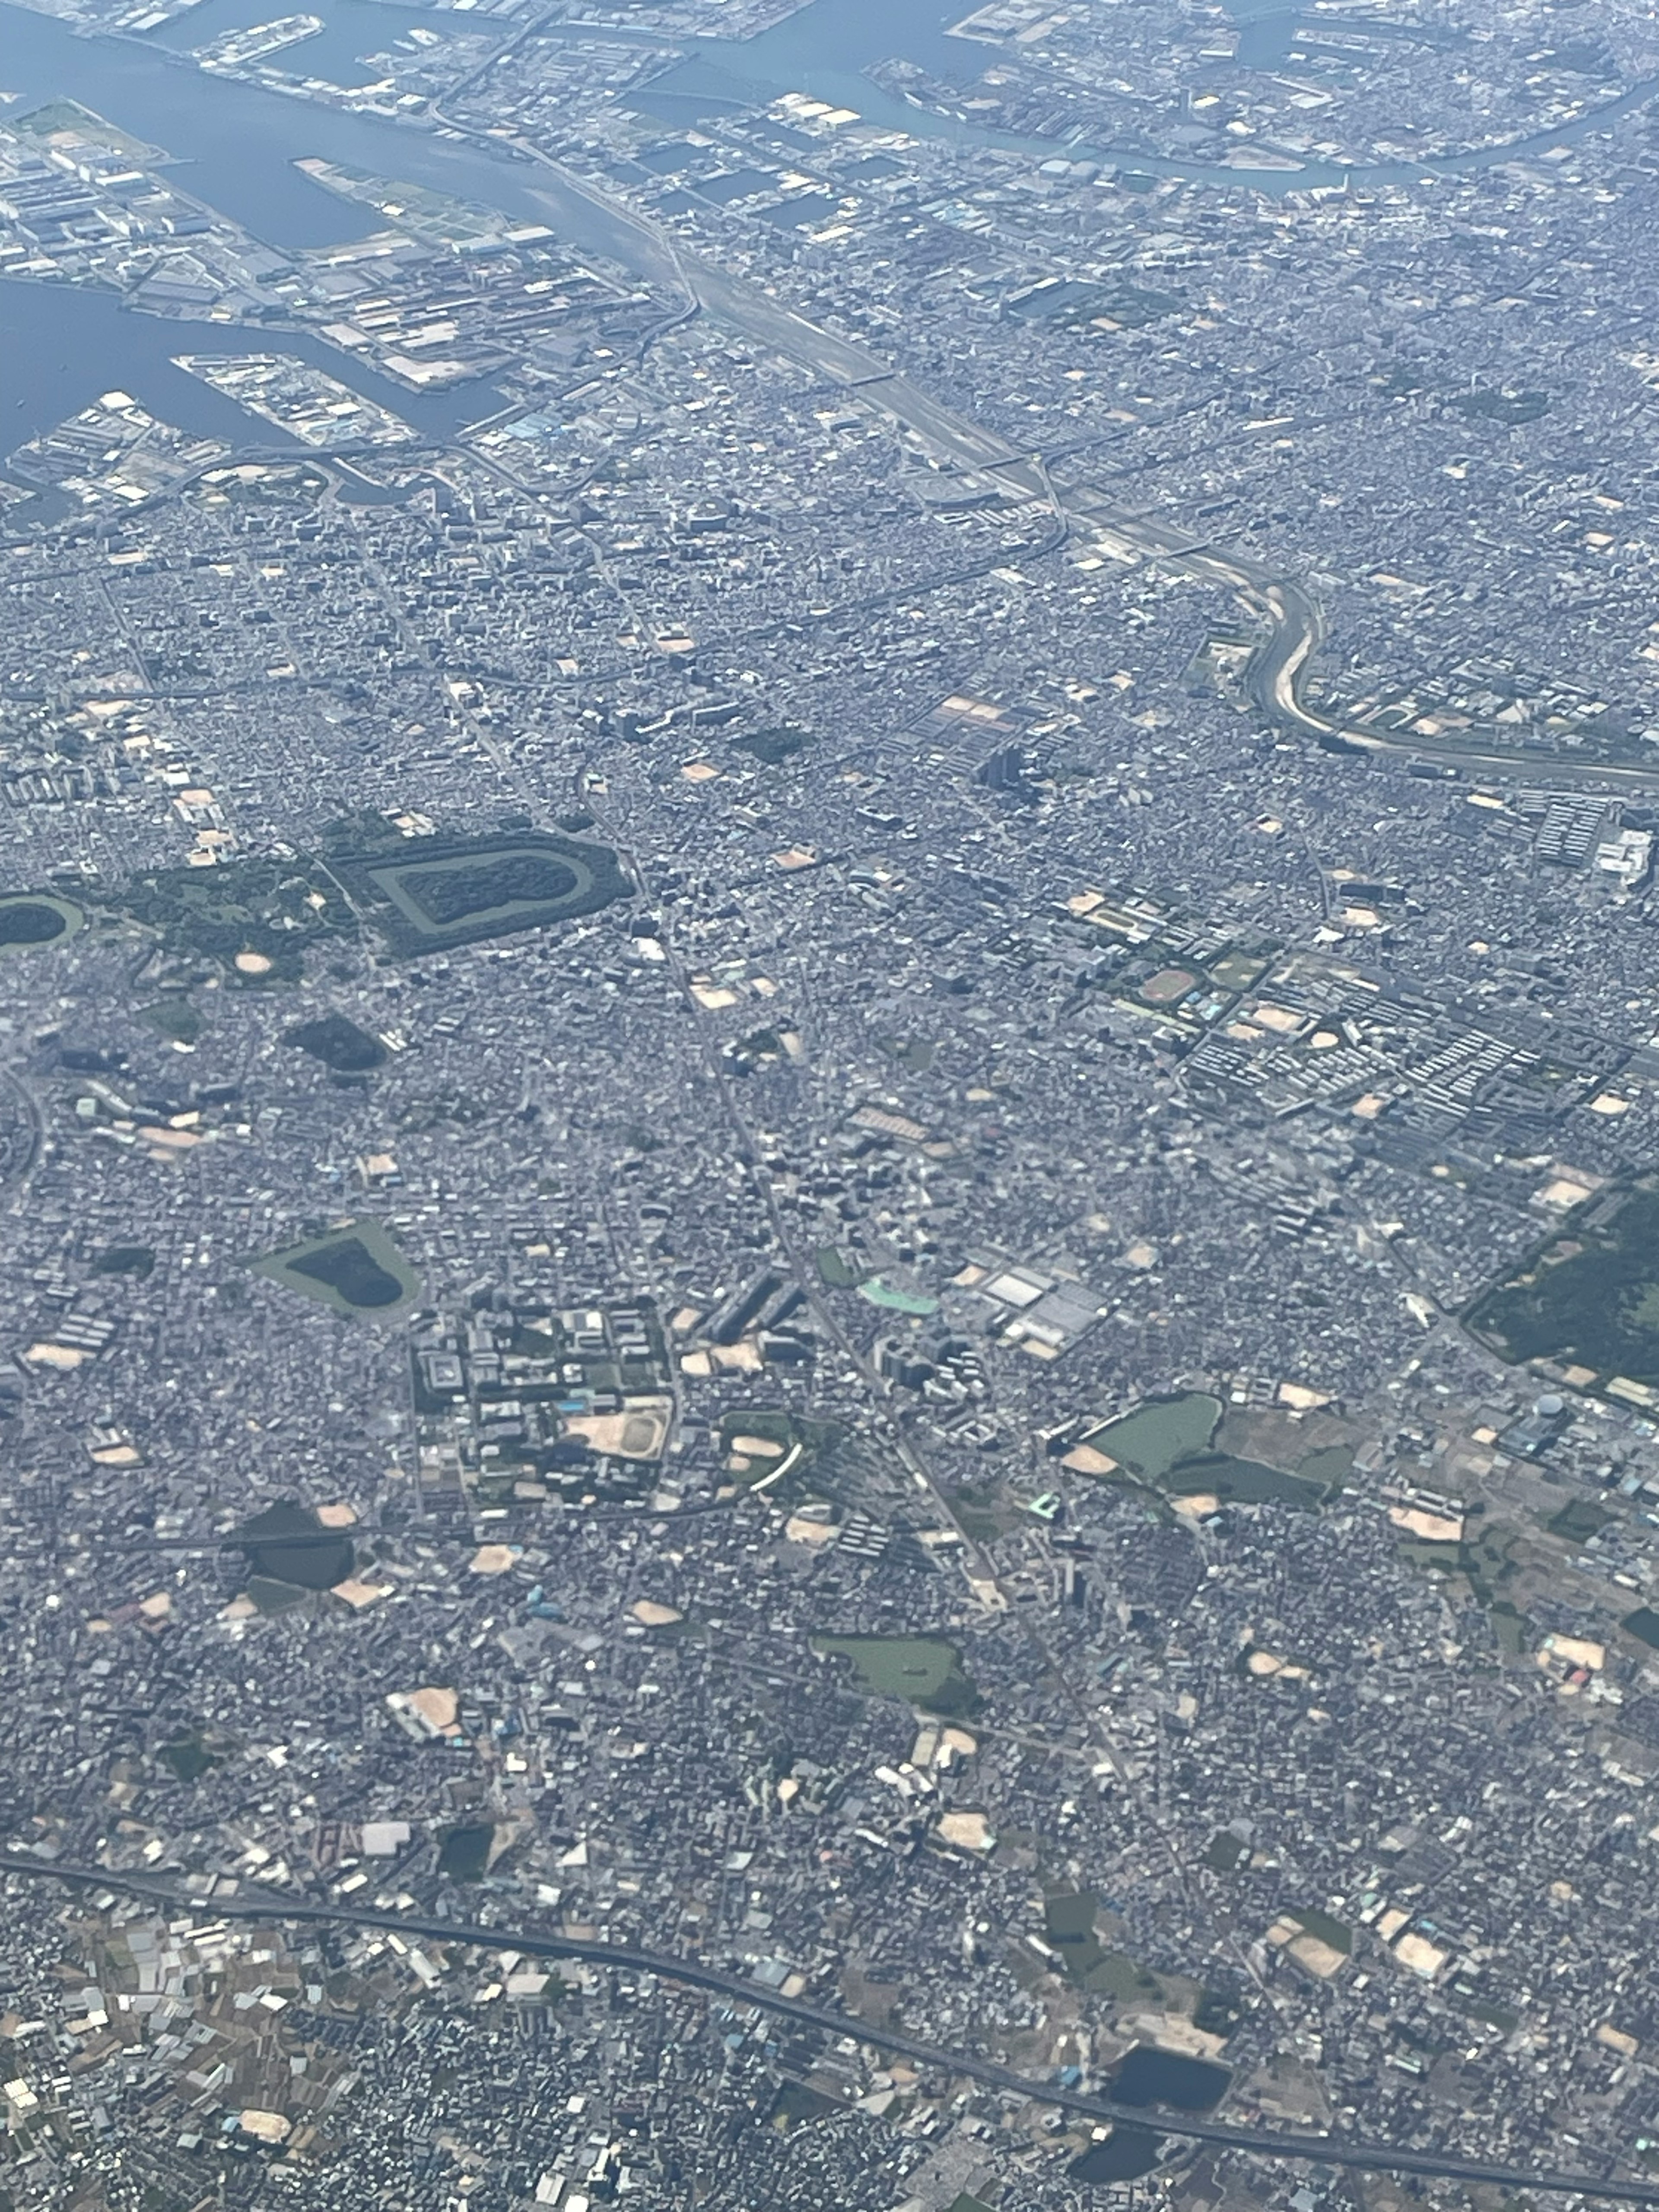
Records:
x=354, y=1267
x=32, y=919
x=456, y=894
x=438, y=892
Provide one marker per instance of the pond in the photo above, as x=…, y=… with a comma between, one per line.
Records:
x=1170, y=1443
x=1150, y=1440
x=287, y=1543
x=463, y=1855
x=137, y=1260
x=188, y=1757
x=924, y=1669
x=338, y=1043
x=1240, y=1481
x=1150, y=2077
x=1126, y=2152
x=355, y=1268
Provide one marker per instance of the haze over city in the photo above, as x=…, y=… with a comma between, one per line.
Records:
x=828, y=1105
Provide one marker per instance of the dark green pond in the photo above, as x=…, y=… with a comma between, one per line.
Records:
x=1125, y=2153
x=1168, y=2077
x=287, y=1543
x=26, y=922
x=351, y=1268
x=338, y=1043
x=355, y=1268
x=463, y=1855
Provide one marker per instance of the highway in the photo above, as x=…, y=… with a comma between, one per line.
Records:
x=170, y=1893
x=1276, y=675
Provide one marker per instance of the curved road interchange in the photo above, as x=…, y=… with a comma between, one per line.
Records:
x=1276, y=675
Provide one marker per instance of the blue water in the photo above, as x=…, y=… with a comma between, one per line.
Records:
x=64, y=346
x=239, y=141
x=238, y=144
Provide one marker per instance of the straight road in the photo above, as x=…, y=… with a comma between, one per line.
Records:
x=1294, y=620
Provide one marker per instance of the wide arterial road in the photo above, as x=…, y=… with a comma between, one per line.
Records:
x=1263, y=2142
x=1291, y=615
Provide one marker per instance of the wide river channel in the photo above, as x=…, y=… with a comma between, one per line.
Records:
x=60, y=348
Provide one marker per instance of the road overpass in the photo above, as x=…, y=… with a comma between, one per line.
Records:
x=1276, y=676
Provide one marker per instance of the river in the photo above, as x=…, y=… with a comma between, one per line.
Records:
x=238, y=143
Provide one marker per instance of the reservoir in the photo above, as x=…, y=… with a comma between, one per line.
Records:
x=287, y=1543
x=1125, y=2155
x=1150, y=2077
x=1160, y=1433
